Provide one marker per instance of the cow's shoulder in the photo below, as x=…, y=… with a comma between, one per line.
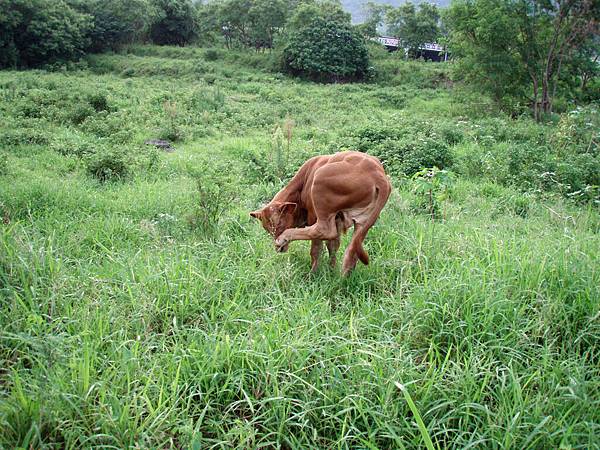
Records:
x=314, y=163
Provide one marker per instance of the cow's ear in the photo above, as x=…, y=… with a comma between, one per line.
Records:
x=288, y=207
x=256, y=214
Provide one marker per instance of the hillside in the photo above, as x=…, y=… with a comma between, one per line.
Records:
x=142, y=307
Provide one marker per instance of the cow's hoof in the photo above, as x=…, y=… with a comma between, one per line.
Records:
x=281, y=245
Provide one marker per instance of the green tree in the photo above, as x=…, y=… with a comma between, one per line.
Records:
x=116, y=22
x=36, y=32
x=176, y=23
x=585, y=69
x=375, y=14
x=519, y=49
x=308, y=11
x=247, y=23
x=265, y=18
x=233, y=21
x=327, y=51
x=414, y=26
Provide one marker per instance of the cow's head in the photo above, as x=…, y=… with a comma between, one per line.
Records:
x=275, y=218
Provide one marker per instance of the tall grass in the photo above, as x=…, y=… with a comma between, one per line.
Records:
x=123, y=326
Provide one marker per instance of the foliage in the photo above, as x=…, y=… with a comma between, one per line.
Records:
x=404, y=150
x=414, y=26
x=432, y=186
x=175, y=24
x=245, y=23
x=281, y=141
x=98, y=101
x=374, y=18
x=116, y=23
x=4, y=168
x=171, y=129
x=307, y=12
x=327, y=51
x=214, y=196
x=517, y=50
x=110, y=163
x=37, y=32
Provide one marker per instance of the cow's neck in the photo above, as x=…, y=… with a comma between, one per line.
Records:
x=293, y=193
x=290, y=193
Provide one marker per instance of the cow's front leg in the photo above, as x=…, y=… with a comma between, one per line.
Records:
x=332, y=247
x=322, y=230
x=315, y=251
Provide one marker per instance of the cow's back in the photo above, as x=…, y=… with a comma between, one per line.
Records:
x=350, y=168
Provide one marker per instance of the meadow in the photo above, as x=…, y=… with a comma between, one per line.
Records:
x=142, y=307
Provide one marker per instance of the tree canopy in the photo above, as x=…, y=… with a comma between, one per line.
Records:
x=33, y=32
x=520, y=50
x=414, y=25
x=327, y=50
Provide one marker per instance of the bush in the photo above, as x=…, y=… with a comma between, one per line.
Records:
x=108, y=164
x=405, y=149
x=3, y=162
x=215, y=194
x=431, y=186
x=70, y=143
x=98, y=101
x=80, y=113
x=212, y=54
x=533, y=168
x=410, y=154
x=327, y=51
x=578, y=131
x=23, y=136
x=115, y=127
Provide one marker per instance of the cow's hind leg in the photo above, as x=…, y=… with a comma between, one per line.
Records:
x=315, y=251
x=355, y=250
x=332, y=247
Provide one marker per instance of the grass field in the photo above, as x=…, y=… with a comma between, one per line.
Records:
x=136, y=311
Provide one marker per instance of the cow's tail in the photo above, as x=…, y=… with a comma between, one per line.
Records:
x=382, y=193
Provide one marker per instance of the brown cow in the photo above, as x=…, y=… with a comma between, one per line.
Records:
x=327, y=196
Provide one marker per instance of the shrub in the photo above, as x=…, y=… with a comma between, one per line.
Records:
x=115, y=127
x=108, y=164
x=411, y=153
x=431, y=185
x=214, y=195
x=171, y=130
x=23, y=136
x=206, y=100
x=98, y=101
x=3, y=162
x=327, y=51
x=212, y=54
x=80, y=113
x=578, y=131
x=70, y=143
x=404, y=149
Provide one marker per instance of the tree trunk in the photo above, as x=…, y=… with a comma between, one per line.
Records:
x=536, y=111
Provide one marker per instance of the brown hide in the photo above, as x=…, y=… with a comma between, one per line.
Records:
x=328, y=195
